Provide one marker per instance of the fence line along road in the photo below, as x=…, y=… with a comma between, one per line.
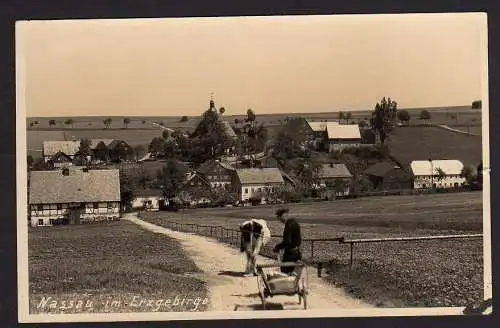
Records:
x=229, y=236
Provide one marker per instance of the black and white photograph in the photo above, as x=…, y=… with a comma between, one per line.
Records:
x=253, y=167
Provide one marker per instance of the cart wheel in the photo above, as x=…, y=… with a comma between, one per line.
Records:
x=262, y=294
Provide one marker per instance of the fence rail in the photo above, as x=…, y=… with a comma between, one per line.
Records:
x=232, y=237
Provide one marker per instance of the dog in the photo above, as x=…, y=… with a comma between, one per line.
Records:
x=254, y=235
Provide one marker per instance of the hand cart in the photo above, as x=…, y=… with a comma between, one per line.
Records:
x=270, y=284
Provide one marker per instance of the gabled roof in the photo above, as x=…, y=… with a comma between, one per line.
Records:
x=334, y=171
x=209, y=165
x=51, y=187
x=195, y=176
x=450, y=167
x=228, y=129
x=382, y=169
x=319, y=126
x=259, y=176
x=59, y=155
x=343, y=131
x=69, y=147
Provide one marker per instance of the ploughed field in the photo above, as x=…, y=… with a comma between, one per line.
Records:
x=416, y=273
x=110, y=267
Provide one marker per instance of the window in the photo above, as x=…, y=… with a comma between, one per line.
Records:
x=110, y=204
x=246, y=190
x=40, y=221
x=59, y=207
x=39, y=207
x=96, y=206
x=51, y=221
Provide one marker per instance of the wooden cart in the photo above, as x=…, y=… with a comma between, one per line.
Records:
x=292, y=285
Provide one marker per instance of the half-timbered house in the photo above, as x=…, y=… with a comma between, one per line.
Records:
x=73, y=196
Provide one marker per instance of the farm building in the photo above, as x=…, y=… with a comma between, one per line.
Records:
x=342, y=135
x=319, y=133
x=388, y=176
x=73, y=196
x=333, y=180
x=147, y=199
x=219, y=174
x=256, y=181
x=437, y=174
x=63, y=152
x=195, y=190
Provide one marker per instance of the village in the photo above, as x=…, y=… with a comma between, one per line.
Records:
x=229, y=164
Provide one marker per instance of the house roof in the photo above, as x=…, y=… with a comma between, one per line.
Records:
x=69, y=147
x=148, y=192
x=343, y=131
x=382, y=169
x=50, y=187
x=228, y=129
x=450, y=167
x=334, y=171
x=319, y=126
x=208, y=166
x=259, y=176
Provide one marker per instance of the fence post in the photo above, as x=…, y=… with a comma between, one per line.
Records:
x=350, y=259
x=312, y=249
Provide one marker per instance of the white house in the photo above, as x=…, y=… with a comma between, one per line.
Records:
x=147, y=199
x=256, y=181
x=73, y=196
x=342, y=135
x=426, y=174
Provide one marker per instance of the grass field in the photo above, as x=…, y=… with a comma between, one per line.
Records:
x=422, y=143
x=429, y=273
x=111, y=266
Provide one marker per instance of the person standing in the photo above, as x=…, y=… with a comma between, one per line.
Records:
x=291, y=240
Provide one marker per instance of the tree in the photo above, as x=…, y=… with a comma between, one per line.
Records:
x=468, y=174
x=287, y=146
x=341, y=116
x=183, y=119
x=440, y=174
x=31, y=161
x=425, y=115
x=251, y=117
x=171, y=179
x=139, y=151
x=165, y=134
x=368, y=137
x=126, y=122
x=101, y=152
x=121, y=151
x=348, y=116
x=307, y=171
x=126, y=191
x=107, y=122
x=69, y=121
x=237, y=121
x=222, y=110
x=52, y=123
x=40, y=165
x=383, y=118
x=404, y=116
x=84, y=152
x=157, y=146
x=170, y=149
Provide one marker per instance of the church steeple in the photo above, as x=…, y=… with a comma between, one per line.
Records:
x=212, y=103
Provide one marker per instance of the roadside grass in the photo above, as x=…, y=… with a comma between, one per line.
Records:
x=114, y=261
x=389, y=274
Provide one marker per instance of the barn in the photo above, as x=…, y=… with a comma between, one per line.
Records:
x=253, y=182
x=73, y=196
x=437, y=174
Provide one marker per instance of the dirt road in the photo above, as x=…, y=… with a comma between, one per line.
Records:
x=222, y=268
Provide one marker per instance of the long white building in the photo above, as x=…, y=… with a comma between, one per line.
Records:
x=426, y=174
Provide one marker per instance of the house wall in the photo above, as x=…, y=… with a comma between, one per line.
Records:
x=246, y=191
x=322, y=183
x=44, y=215
x=339, y=144
x=152, y=203
x=426, y=181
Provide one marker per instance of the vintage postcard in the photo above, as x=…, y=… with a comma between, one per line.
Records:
x=253, y=167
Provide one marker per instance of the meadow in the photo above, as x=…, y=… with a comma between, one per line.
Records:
x=112, y=266
x=391, y=274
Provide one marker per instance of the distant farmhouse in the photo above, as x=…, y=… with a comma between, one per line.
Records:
x=218, y=173
x=147, y=199
x=73, y=196
x=334, y=180
x=334, y=136
x=62, y=153
x=427, y=174
x=256, y=182
x=388, y=176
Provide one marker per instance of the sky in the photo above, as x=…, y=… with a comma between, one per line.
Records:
x=279, y=64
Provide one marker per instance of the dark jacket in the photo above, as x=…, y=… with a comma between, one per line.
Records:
x=291, y=235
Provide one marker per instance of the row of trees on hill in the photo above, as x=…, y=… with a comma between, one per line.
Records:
x=70, y=122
